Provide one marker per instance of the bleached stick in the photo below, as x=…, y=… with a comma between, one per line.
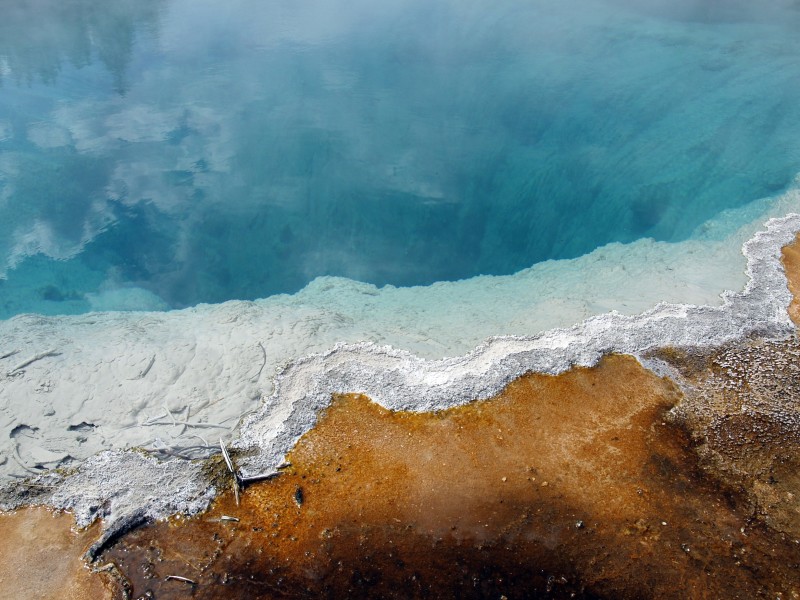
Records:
x=33, y=359
x=263, y=362
x=20, y=462
x=200, y=425
x=226, y=456
x=179, y=578
x=229, y=462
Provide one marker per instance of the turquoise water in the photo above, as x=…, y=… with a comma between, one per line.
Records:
x=163, y=153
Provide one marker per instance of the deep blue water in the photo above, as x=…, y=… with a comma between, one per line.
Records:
x=205, y=151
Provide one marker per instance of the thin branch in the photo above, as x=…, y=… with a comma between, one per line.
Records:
x=263, y=363
x=180, y=451
x=229, y=462
x=200, y=425
x=188, y=414
x=169, y=412
x=149, y=366
x=262, y=477
x=152, y=421
x=201, y=438
x=226, y=456
x=143, y=373
x=179, y=578
x=19, y=461
x=33, y=359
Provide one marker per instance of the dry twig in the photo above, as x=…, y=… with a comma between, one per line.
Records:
x=229, y=462
x=179, y=578
x=226, y=456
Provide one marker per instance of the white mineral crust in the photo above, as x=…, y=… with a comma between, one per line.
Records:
x=89, y=387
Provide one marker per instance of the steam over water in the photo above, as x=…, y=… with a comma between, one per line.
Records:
x=157, y=154
x=426, y=199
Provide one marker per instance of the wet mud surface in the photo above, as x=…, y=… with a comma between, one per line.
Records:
x=582, y=485
x=40, y=557
x=790, y=257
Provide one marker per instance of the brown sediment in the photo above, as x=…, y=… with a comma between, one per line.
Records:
x=790, y=256
x=743, y=412
x=40, y=557
x=579, y=485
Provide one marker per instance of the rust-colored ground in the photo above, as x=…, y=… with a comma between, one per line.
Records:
x=569, y=486
x=600, y=483
x=791, y=263
x=40, y=557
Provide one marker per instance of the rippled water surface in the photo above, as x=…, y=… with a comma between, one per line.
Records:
x=162, y=153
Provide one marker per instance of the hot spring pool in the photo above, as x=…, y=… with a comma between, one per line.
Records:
x=158, y=154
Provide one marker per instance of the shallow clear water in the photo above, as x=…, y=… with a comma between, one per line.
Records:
x=162, y=153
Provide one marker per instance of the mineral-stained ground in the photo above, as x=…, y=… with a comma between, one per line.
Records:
x=40, y=557
x=608, y=482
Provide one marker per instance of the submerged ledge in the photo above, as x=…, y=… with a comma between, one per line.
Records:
x=126, y=488
x=73, y=386
x=584, y=475
x=398, y=380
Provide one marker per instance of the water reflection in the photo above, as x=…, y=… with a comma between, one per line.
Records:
x=718, y=11
x=260, y=144
x=38, y=37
